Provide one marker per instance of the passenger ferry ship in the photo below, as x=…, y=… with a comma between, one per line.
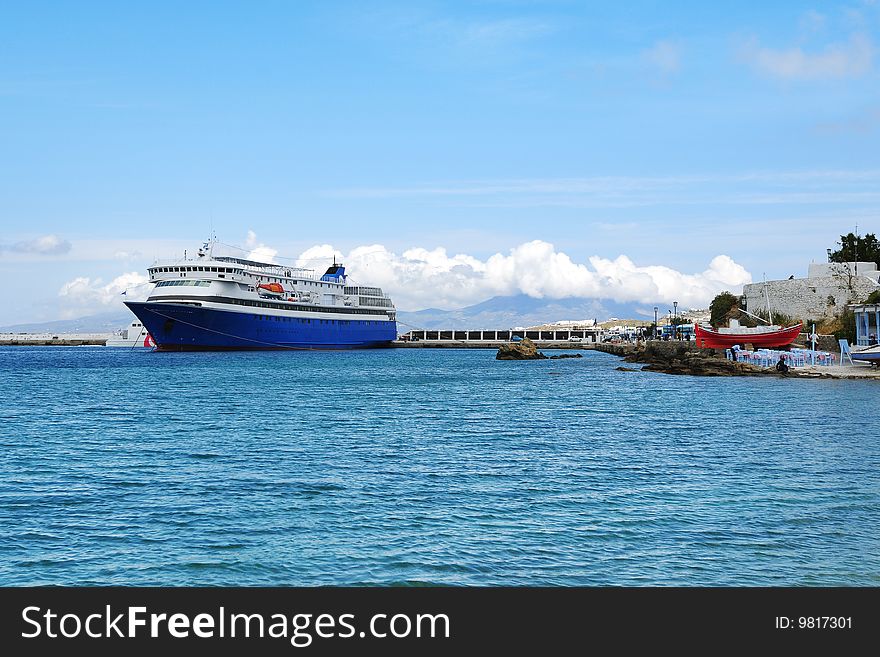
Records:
x=221, y=302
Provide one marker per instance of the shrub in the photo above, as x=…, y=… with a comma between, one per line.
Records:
x=847, y=330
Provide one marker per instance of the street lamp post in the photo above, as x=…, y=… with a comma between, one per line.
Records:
x=655, y=321
x=675, y=319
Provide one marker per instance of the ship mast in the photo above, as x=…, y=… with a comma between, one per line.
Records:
x=767, y=296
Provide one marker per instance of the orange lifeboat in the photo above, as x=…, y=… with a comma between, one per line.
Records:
x=272, y=288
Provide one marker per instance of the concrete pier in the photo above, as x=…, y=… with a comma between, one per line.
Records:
x=52, y=339
x=492, y=339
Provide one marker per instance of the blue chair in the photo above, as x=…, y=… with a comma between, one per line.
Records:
x=845, y=352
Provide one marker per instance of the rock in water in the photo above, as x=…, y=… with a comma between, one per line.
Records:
x=522, y=350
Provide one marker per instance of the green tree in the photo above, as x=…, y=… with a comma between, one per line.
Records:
x=874, y=297
x=857, y=249
x=847, y=328
x=721, y=307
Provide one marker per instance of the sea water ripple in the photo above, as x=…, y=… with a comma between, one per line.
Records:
x=421, y=467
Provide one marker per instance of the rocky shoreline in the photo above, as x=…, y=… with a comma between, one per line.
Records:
x=526, y=350
x=687, y=358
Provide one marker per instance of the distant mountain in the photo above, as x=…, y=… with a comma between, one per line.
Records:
x=100, y=323
x=521, y=310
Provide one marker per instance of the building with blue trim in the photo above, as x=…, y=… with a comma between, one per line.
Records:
x=867, y=323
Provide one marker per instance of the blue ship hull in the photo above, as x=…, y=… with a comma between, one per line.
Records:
x=180, y=327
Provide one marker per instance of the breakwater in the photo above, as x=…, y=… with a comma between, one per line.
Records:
x=484, y=344
x=52, y=340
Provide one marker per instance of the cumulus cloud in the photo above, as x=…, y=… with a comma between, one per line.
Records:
x=420, y=278
x=852, y=58
x=259, y=251
x=45, y=245
x=83, y=294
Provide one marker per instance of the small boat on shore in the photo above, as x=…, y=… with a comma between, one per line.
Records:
x=759, y=336
x=868, y=355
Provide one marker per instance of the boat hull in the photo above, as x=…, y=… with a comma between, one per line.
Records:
x=181, y=327
x=715, y=340
x=869, y=355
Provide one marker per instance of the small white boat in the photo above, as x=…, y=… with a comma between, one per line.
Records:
x=133, y=337
x=867, y=354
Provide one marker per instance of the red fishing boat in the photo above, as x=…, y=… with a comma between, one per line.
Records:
x=760, y=336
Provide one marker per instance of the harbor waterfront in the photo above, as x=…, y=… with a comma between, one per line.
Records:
x=424, y=466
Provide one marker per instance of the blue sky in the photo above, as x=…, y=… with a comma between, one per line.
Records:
x=668, y=133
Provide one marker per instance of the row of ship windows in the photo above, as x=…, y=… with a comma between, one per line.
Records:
x=311, y=309
x=230, y=270
x=225, y=270
x=364, y=291
x=189, y=283
x=275, y=318
x=372, y=301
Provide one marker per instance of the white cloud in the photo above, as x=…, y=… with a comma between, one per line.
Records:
x=812, y=22
x=852, y=58
x=497, y=33
x=664, y=56
x=747, y=188
x=43, y=245
x=83, y=294
x=421, y=278
x=259, y=251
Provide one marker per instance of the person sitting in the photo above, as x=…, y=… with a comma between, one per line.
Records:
x=781, y=365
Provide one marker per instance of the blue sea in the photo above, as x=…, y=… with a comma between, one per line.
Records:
x=427, y=467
